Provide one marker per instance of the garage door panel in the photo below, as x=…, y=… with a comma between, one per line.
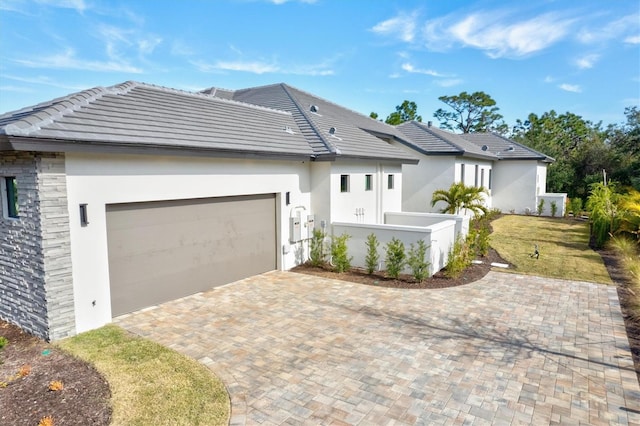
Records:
x=164, y=250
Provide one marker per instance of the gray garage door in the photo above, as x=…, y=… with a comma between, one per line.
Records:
x=160, y=251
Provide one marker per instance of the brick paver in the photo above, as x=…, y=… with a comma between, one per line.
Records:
x=508, y=349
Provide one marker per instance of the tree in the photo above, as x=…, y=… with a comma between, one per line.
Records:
x=408, y=111
x=459, y=196
x=576, y=144
x=624, y=141
x=373, y=115
x=474, y=112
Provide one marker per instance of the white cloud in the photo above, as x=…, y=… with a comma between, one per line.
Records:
x=632, y=39
x=411, y=69
x=146, y=46
x=180, y=48
x=402, y=27
x=43, y=80
x=549, y=79
x=611, y=30
x=587, y=61
x=574, y=88
x=254, y=67
x=500, y=35
x=78, y=5
x=260, y=67
x=68, y=60
x=286, y=1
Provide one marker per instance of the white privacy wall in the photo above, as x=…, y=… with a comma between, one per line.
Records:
x=98, y=180
x=420, y=180
x=438, y=237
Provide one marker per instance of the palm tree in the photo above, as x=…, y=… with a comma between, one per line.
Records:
x=458, y=197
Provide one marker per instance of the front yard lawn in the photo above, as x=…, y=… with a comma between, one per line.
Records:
x=563, y=245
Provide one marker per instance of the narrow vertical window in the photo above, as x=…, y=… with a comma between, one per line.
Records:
x=462, y=173
x=490, y=178
x=10, y=199
x=482, y=178
x=344, y=183
x=84, y=215
x=390, y=182
x=476, y=177
x=368, y=182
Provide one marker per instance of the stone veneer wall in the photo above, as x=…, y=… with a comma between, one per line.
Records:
x=36, y=287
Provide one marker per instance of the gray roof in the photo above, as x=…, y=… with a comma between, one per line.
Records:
x=143, y=116
x=331, y=130
x=430, y=140
x=504, y=148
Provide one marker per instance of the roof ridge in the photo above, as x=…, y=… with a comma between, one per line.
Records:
x=60, y=107
x=332, y=148
x=340, y=106
x=203, y=94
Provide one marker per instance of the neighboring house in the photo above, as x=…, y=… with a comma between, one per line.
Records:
x=514, y=175
x=119, y=198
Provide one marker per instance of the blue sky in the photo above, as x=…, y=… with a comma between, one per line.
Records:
x=533, y=56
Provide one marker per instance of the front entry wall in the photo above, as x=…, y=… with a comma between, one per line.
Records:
x=101, y=181
x=160, y=251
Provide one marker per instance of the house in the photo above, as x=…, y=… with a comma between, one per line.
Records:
x=513, y=174
x=119, y=198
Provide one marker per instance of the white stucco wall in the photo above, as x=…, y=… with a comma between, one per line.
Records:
x=420, y=180
x=98, y=180
x=516, y=184
x=359, y=205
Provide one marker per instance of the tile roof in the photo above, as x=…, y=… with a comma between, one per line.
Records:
x=430, y=140
x=140, y=115
x=353, y=136
x=504, y=148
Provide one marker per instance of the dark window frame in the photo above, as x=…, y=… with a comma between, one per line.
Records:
x=368, y=182
x=391, y=182
x=11, y=194
x=344, y=183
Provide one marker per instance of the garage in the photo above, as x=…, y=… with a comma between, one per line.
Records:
x=160, y=251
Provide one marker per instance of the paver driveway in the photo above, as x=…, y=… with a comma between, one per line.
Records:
x=297, y=349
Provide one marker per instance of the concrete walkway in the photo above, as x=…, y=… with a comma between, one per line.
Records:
x=509, y=349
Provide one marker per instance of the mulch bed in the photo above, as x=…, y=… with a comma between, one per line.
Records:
x=26, y=399
x=85, y=397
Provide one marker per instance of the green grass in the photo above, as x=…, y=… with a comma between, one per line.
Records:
x=151, y=384
x=563, y=245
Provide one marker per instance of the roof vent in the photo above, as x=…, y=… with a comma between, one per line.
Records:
x=511, y=148
x=429, y=123
x=332, y=131
x=289, y=130
x=314, y=108
x=484, y=147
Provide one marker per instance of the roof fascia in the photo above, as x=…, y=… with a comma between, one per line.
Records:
x=53, y=145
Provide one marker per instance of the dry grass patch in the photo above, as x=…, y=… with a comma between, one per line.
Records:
x=563, y=245
x=151, y=384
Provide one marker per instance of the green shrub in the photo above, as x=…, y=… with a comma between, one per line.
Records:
x=459, y=258
x=373, y=257
x=576, y=206
x=417, y=262
x=395, y=259
x=554, y=208
x=540, y=207
x=3, y=342
x=478, y=240
x=339, y=256
x=317, y=255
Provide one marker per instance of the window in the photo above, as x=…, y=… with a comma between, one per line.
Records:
x=368, y=182
x=390, y=182
x=10, y=197
x=475, y=182
x=482, y=178
x=344, y=183
x=462, y=173
x=489, y=179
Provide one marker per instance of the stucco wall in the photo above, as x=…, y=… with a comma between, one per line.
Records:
x=515, y=185
x=36, y=288
x=359, y=205
x=98, y=180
